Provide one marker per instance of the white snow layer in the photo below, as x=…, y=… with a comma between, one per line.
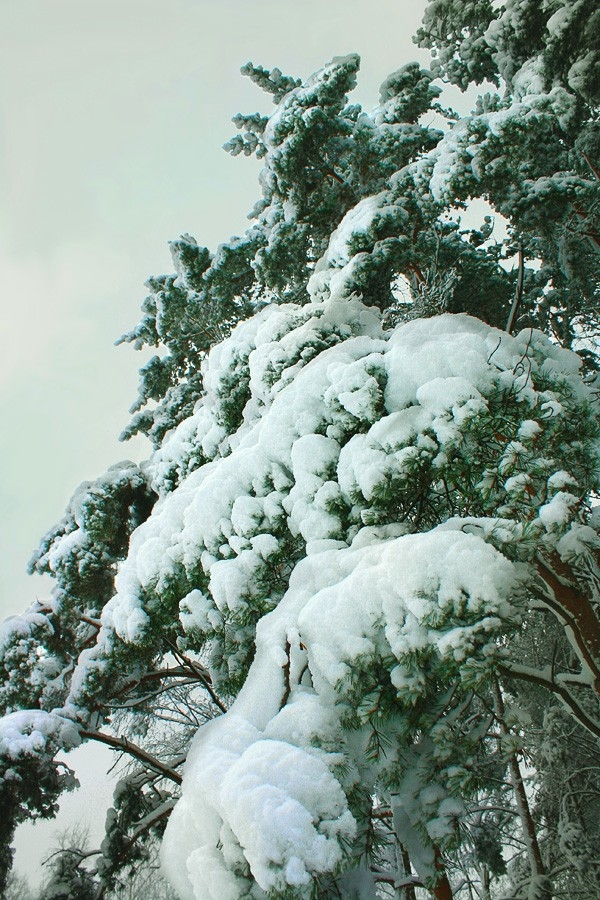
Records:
x=259, y=796
x=27, y=732
x=267, y=536
x=300, y=447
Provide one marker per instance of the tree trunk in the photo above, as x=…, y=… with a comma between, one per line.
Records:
x=408, y=892
x=442, y=890
x=540, y=878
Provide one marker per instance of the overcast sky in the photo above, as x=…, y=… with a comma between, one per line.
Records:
x=113, y=114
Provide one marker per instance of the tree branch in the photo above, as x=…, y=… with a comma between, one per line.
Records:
x=536, y=863
x=524, y=673
x=126, y=746
x=593, y=169
x=95, y=623
x=578, y=615
x=161, y=812
x=518, y=293
x=201, y=673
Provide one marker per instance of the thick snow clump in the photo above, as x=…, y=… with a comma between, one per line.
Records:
x=260, y=782
x=337, y=536
x=343, y=533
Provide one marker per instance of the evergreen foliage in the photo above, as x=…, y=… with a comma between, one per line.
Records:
x=362, y=561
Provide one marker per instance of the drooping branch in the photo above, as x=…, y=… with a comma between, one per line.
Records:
x=73, y=851
x=144, y=825
x=126, y=746
x=152, y=694
x=187, y=672
x=535, y=676
x=157, y=815
x=201, y=673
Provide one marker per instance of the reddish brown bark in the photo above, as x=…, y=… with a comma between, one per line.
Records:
x=442, y=890
x=578, y=614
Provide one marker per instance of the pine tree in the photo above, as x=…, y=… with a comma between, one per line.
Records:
x=362, y=560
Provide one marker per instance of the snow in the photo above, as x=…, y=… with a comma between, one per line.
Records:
x=304, y=98
x=579, y=541
x=27, y=733
x=288, y=528
x=354, y=421
x=529, y=430
x=256, y=773
x=358, y=220
x=559, y=511
x=444, y=163
x=560, y=20
x=243, y=800
x=560, y=480
x=261, y=357
x=343, y=429
x=347, y=522
x=334, y=271
x=22, y=627
x=463, y=154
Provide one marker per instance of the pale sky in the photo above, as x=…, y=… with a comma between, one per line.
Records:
x=112, y=117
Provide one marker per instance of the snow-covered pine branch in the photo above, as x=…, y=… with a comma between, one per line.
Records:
x=361, y=561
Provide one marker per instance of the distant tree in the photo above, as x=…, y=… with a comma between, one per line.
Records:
x=73, y=874
x=67, y=877
x=362, y=561
x=17, y=888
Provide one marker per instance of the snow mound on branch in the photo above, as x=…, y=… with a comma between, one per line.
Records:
x=302, y=100
x=259, y=795
x=337, y=425
x=254, y=804
x=338, y=531
x=26, y=733
x=261, y=358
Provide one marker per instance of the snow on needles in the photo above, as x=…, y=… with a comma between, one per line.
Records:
x=26, y=733
x=314, y=479
x=329, y=527
x=258, y=784
x=289, y=468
